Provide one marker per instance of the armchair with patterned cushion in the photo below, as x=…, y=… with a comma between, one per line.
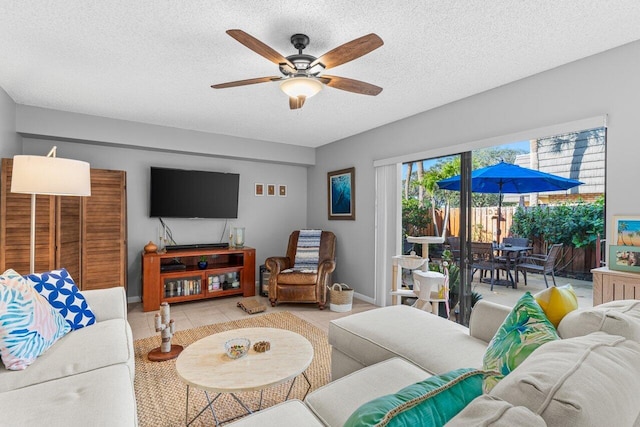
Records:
x=305, y=272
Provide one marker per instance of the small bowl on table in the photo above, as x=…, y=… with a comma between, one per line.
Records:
x=237, y=347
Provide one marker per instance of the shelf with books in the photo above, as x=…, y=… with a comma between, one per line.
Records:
x=176, y=276
x=182, y=286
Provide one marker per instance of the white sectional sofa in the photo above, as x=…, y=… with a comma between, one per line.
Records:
x=432, y=343
x=590, y=377
x=84, y=379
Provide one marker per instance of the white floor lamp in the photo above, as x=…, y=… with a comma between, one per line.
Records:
x=48, y=175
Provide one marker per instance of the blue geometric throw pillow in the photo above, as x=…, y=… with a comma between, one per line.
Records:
x=60, y=290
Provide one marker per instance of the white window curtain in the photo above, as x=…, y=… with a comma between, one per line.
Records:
x=388, y=223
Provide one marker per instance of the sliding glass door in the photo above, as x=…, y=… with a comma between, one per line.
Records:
x=475, y=212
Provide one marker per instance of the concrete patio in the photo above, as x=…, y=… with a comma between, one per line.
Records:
x=535, y=283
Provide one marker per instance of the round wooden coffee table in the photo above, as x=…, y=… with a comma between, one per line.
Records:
x=205, y=365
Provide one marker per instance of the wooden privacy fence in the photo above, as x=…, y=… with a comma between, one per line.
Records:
x=575, y=262
x=484, y=222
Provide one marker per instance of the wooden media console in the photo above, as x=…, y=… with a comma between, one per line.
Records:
x=175, y=276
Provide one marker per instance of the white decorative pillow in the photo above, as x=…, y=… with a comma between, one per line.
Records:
x=584, y=381
x=28, y=323
x=490, y=411
x=620, y=317
x=60, y=290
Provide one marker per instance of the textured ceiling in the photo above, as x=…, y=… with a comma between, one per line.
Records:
x=153, y=61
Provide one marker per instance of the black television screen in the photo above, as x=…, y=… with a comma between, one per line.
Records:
x=178, y=193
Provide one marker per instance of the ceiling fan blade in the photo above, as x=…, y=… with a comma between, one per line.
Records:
x=258, y=47
x=349, y=51
x=246, y=82
x=295, y=103
x=350, y=85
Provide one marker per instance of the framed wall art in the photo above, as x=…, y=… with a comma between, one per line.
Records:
x=626, y=230
x=259, y=191
x=282, y=190
x=341, y=194
x=271, y=189
x=624, y=255
x=624, y=258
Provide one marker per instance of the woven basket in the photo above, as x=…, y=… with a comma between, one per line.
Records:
x=341, y=297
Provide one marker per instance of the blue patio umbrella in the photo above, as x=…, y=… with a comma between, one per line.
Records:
x=504, y=178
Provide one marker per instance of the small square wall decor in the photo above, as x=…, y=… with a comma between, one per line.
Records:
x=271, y=189
x=259, y=189
x=282, y=190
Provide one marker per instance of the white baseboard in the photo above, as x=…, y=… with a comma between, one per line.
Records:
x=364, y=298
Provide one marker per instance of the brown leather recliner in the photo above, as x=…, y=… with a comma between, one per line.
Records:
x=300, y=286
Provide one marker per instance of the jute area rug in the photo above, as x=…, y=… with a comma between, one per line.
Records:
x=161, y=395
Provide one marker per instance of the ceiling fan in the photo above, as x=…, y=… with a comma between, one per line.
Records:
x=301, y=73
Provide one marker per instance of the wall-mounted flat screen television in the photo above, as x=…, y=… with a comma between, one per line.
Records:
x=178, y=193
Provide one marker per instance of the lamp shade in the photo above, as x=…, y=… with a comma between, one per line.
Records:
x=50, y=175
x=301, y=86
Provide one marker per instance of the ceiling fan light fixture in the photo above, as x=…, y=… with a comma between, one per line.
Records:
x=301, y=86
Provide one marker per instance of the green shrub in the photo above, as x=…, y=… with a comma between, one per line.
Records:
x=415, y=218
x=574, y=225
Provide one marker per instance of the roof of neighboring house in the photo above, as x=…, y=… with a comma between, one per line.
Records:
x=579, y=155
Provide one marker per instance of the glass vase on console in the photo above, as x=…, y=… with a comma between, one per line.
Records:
x=237, y=237
x=162, y=240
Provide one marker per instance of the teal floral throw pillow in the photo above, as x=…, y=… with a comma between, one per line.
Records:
x=525, y=329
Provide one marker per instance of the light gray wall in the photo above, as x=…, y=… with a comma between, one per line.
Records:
x=607, y=83
x=9, y=139
x=38, y=122
x=268, y=220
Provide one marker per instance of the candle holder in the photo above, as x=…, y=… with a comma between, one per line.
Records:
x=167, y=327
x=237, y=237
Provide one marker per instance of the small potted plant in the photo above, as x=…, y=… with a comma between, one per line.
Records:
x=203, y=263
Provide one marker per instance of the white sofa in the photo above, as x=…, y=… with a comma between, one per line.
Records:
x=588, y=378
x=85, y=378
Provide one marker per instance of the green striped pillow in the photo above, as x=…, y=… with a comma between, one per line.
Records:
x=431, y=402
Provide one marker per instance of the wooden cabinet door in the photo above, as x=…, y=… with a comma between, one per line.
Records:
x=104, y=231
x=85, y=235
x=69, y=236
x=15, y=227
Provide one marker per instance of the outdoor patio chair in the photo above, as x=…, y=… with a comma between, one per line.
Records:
x=539, y=263
x=515, y=241
x=454, y=247
x=484, y=260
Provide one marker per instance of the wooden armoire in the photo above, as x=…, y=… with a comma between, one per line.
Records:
x=85, y=235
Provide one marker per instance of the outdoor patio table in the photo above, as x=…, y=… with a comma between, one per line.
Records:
x=510, y=261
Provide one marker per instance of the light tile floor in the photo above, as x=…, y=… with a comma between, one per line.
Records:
x=198, y=313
